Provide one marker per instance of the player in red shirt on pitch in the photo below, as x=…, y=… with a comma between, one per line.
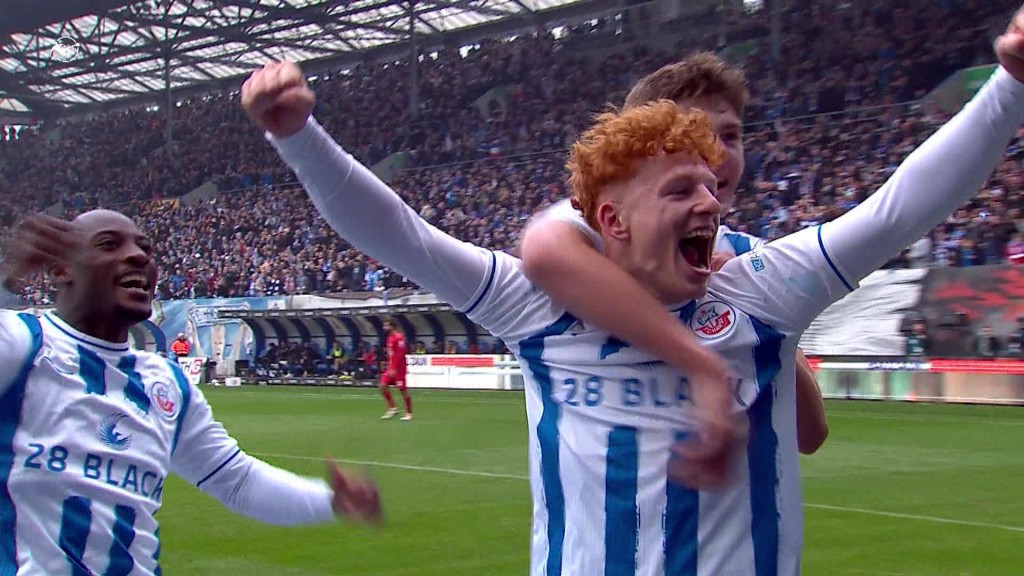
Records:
x=395, y=373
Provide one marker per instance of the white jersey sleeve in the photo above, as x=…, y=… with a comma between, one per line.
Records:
x=563, y=211
x=790, y=281
x=513, y=308
x=487, y=286
x=207, y=457
x=735, y=243
x=15, y=344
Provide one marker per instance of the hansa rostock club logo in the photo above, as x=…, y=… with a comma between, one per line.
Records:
x=166, y=398
x=712, y=320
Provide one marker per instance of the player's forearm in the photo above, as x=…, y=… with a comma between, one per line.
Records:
x=592, y=288
x=811, y=423
x=943, y=173
x=367, y=213
x=255, y=489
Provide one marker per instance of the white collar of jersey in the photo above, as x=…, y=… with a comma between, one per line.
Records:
x=722, y=231
x=66, y=328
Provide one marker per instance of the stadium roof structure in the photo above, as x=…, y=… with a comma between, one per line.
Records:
x=65, y=55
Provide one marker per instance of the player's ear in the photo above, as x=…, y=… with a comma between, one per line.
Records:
x=59, y=274
x=609, y=218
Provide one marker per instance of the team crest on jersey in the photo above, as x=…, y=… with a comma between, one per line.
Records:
x=110, y=436
x=167, y=399
x=714, y=319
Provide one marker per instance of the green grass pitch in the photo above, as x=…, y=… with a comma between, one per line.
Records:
x=898, y=489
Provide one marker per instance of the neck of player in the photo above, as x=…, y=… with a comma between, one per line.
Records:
x=105, y=327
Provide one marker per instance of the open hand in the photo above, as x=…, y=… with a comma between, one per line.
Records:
x=701, y=460
x=355, y=496
x=37, y=244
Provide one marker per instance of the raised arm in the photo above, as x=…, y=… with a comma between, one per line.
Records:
x=936, y=179
x=356, y=204
x=40, y=241
x=792, y=280
x=210, y=459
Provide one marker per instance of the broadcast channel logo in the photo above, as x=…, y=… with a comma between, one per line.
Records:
x=65, y=49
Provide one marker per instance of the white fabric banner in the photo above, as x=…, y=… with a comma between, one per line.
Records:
x=867, y=321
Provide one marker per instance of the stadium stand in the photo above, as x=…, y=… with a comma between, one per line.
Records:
x=825, y=127
x=269, y=297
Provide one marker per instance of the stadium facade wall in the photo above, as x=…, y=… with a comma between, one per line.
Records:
x=958, y=305
x=225, y=341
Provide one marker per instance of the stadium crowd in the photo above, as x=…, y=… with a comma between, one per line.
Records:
x=827, y=124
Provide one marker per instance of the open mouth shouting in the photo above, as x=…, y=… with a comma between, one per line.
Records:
x=697, y=246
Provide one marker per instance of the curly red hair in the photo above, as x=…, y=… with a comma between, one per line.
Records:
x=608, y=151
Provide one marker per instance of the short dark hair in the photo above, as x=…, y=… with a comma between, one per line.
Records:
x=700, y=74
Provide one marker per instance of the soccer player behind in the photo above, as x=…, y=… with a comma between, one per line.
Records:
x=604, y=417
x=561, y=251
x=90, y=429
x=395, y=373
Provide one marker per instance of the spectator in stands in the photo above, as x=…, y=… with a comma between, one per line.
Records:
x=270, y=358
x=986, y=344
x=917, y=341
x=339, y=356
x=368, y=355
x=920, y=253
x=180, y=347
x=969, y=255
x=1015, y=249
x=1015, y=343
x=260, y=237
x=1018, y=338
x=309, y=358
x=374, y=278
x=293, y=357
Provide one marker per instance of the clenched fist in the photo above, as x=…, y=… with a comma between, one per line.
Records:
x=278, y=98
x=1010, y=47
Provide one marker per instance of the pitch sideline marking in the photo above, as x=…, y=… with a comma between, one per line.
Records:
x=456, y=471
x=371, y=396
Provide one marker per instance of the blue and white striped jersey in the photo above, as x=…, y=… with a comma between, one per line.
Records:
x=602, y=415
x=89, y=431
